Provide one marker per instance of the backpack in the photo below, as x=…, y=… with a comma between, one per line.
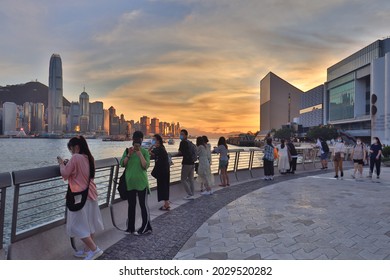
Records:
x=193, y=151
x=325, y=147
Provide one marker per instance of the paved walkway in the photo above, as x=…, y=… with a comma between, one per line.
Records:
x=295, y=217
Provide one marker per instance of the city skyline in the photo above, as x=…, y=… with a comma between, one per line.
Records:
x=199, y=62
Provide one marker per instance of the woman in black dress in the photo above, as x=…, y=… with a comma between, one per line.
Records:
x=161, y=170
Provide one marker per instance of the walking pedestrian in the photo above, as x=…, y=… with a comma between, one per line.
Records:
x=161, y=170
x=284, y=157
x=338, y=157
x=324, y=152
x=136, y=160
x=204, y=172
x=294, y=156
x=268, y=160
x=376, y=157
x=223, y=152
x=208, y=145
x=358, y=156
x=187, y=149
x=80, y=173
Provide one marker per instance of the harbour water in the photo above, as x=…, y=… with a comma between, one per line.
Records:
x=19, y=154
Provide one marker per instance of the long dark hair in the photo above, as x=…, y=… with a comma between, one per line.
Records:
x=200, y=141
x=84, y=150
x=379, y=141
x=159, y=139
x=282, y=143
x=222, y=141
x=205, y=139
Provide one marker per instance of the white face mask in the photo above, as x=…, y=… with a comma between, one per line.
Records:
x=358, y=142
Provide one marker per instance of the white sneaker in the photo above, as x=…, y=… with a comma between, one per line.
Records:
x=189, y=197
x=80, y=254
x=92, y=255
x=206, y=193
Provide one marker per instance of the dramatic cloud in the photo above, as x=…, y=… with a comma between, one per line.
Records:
x=197, y=62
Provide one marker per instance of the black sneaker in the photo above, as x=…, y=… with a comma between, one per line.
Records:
x=336, y=176
x=377, y=177
x=342, y=174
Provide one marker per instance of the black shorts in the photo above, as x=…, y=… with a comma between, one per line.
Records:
x=358, y=161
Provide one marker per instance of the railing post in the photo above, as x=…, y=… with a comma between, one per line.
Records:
x=110, y=185
x=15, y=213
x=115, y=180
x=2, y=215
x=251, y=157
x=236, y=160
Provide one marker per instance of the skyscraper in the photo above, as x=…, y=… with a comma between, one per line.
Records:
x=9, y=118
x=55, y=95
x=96, y=116
x=84, y=111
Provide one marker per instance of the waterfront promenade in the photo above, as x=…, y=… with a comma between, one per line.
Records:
x=309, y=215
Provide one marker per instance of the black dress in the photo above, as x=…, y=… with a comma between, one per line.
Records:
x=161, y=172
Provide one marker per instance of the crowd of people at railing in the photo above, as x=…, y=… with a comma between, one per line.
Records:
x=83, y=214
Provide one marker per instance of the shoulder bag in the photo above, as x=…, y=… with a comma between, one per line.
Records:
x=75, y=201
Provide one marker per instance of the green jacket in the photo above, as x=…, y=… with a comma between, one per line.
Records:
x=136, y=175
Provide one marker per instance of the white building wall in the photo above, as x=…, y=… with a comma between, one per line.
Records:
x=9, y=118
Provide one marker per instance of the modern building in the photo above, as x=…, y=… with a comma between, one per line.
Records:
x=311, y=109
x=145, y=125
x=38, y=118
x=351, y=84
x=74, y=117
x=55, y=103
x=96, y=117
x=279, y=103
x=106, y=122
x=9, y=118
x=155, y=126
x=84, y=112
x=27, y=117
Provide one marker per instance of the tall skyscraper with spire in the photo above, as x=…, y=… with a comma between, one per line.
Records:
x=55, y=102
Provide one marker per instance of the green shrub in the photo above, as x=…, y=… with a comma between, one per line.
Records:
x=386, y=151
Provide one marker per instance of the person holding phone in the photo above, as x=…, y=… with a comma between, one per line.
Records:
x=136, y=160
x=79, y=171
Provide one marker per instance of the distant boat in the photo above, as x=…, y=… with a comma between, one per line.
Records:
x=171, y=142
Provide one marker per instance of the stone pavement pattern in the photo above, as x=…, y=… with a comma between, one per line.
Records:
x=172, y=229
x=314, y=217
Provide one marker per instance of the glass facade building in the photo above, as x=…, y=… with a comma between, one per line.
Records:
x=348, y=90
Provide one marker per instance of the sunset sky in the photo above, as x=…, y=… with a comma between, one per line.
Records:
x=197, y=62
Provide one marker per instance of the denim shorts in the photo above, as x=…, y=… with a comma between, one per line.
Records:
x=324, y=156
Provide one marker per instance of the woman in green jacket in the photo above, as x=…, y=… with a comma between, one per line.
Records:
x=136, y=160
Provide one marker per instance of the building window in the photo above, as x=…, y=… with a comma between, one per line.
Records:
x=342, y=102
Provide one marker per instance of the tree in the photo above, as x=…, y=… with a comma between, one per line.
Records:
x=284, y=133
x=323, y=131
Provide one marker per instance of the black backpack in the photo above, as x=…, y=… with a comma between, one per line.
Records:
x=325, y=147
x=192, y=150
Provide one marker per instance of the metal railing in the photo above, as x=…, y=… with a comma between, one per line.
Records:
x=5, y=182
x=39, y=194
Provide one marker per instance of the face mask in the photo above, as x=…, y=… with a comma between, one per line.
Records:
x=181, y=137
x=153, y=142
x=358, y=142
x=137, y=142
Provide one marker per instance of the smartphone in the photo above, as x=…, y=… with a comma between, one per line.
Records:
x=137, y=146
